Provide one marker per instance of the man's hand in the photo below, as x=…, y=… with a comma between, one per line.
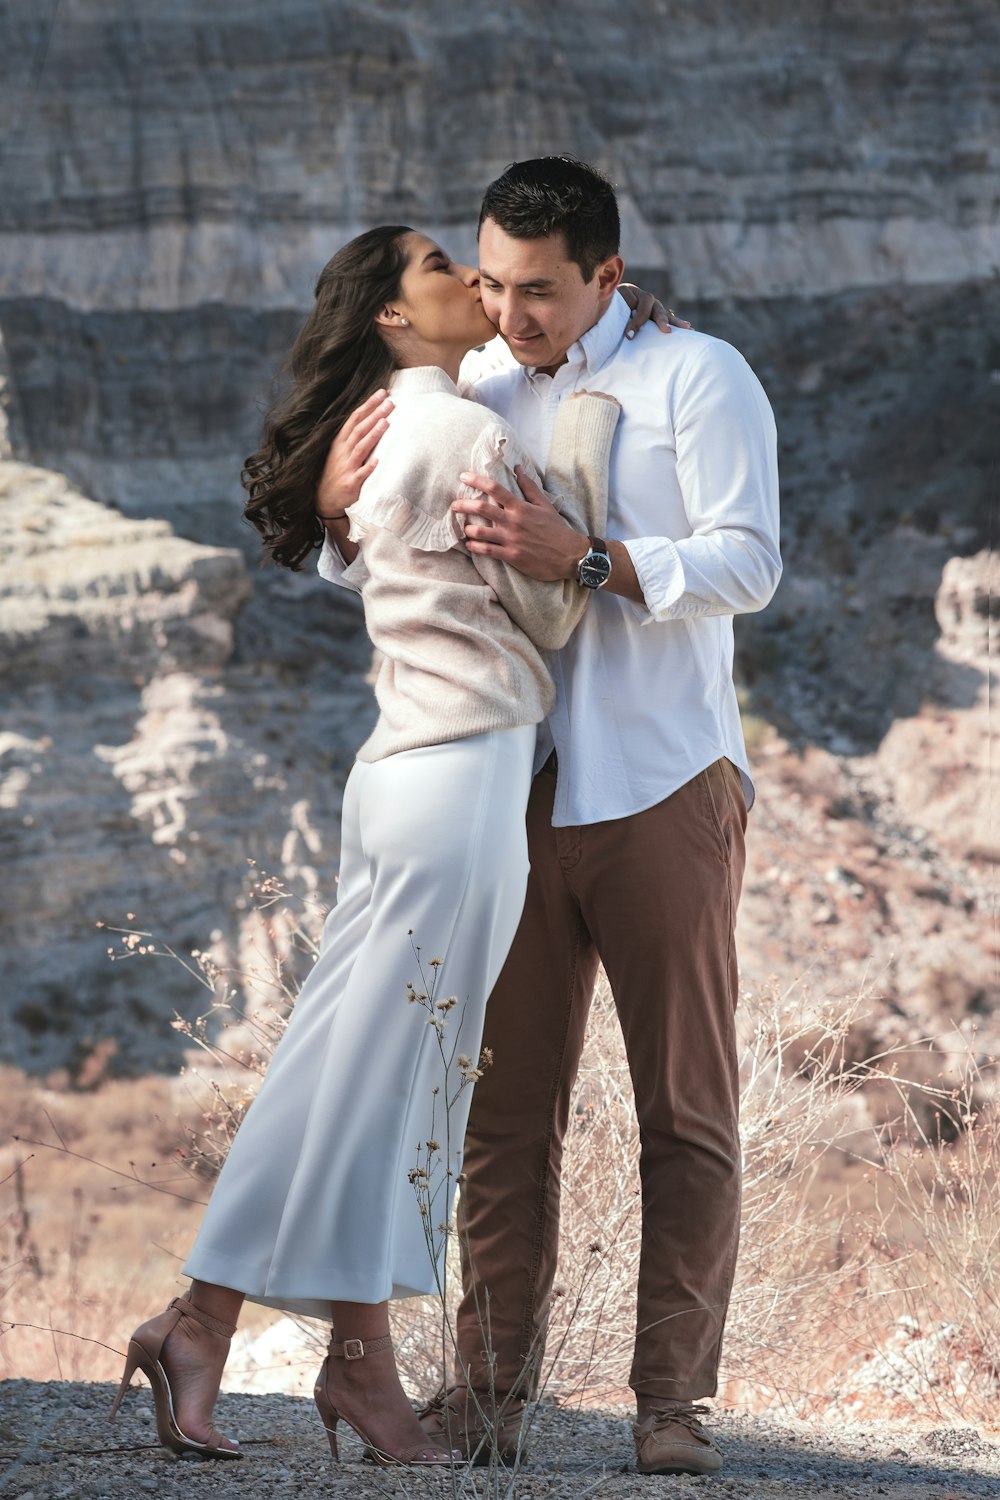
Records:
x=349, y=461
x=528, y=532
x=648, y=309
x=523, y=530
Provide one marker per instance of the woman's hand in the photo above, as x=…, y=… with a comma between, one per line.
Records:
x=647, y=308
x=349, y=461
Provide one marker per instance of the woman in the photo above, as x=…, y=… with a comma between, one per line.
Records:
x=315, y=1210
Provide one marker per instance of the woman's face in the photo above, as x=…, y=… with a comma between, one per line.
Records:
x=440, y=299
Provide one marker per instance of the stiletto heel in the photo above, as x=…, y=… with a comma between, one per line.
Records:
x=144, y=1349
x=131, y=1365
x=330, y=1416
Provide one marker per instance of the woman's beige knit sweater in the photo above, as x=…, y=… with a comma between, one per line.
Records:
x=460, y=635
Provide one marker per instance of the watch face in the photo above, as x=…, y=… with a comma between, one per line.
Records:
x=595, y=569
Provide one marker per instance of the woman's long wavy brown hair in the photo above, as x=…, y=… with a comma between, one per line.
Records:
x=338, y=360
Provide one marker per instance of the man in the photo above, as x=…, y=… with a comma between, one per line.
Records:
x=636, y=817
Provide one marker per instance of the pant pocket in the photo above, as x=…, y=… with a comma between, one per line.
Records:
x=719, y=803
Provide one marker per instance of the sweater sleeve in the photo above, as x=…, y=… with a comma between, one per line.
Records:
x=577, y=480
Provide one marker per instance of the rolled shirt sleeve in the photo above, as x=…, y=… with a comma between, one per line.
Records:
x=727, y=470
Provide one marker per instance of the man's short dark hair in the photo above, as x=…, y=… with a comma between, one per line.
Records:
x=557, y=195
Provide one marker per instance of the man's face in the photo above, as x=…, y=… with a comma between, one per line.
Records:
x=537, y=297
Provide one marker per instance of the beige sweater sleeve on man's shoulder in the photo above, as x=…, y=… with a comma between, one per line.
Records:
x=576, y=478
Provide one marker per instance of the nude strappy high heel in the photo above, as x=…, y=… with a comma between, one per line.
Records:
x=356, y=1349
x=144, y=1350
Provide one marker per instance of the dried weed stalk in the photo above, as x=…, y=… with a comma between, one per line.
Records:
x=869, y=1273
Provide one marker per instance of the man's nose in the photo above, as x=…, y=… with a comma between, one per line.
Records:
x=514, y=319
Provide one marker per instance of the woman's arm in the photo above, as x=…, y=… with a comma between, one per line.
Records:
x=348, y=464
x=350, y=461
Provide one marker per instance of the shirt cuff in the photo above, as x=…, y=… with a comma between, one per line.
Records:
x=660, y=572
x=333, y=566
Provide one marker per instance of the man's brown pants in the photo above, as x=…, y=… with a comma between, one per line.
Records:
x=652, y=896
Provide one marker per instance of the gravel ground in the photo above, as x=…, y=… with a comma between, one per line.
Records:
x=55, y=1445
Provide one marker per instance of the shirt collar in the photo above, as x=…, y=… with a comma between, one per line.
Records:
x=595, y=347
x=421, y=379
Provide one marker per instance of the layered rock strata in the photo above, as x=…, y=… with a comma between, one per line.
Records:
x=817, y=188
x=208, y=152
x=139, y=770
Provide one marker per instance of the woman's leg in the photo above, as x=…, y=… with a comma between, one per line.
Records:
x=218, y=1301
x=182, y=1352
x=366, y=1391
x=192, y=1354
x=314, y=1205
x=194, y=1359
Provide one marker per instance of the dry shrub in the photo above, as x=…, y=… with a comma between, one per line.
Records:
x=248, y=997
x=79, y=1244
x=933, y=1236
x=101, y=1185
x=869, y=1270
x=869, y=1275
x=797, y=1112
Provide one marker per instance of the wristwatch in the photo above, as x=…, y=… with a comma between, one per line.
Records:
x=594, y=569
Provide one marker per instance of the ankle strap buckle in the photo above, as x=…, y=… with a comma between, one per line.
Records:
x=354, y=1349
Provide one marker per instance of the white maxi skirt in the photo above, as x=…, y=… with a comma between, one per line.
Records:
x=315, y=1203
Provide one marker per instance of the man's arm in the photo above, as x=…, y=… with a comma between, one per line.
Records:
x=727, y=470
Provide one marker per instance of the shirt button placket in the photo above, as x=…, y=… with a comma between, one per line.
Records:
x=550, y=407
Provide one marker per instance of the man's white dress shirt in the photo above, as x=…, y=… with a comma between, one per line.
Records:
x=644, y=693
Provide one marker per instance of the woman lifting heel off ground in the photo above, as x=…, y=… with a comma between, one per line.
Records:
x=314, y=1211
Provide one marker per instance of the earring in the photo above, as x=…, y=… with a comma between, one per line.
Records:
x=404, y=322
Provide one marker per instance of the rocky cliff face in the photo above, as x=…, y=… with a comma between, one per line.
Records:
x=210, y=152
x=819, y=189
x=141, y=765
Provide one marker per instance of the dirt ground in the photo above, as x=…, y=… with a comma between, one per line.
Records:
x=56, y=1445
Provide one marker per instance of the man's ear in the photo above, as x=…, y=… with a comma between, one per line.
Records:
x=609, y=273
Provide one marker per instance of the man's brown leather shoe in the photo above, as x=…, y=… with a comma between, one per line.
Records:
x=472, y=1425
x=671, y=1440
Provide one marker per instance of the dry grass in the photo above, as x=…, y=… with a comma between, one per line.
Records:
x=868, y=1277
x=81, y=1246
x=868, y=1280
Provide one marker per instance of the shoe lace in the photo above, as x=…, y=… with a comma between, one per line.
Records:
x=454, y=1399
x=435, y=1403
x=687, y=1416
